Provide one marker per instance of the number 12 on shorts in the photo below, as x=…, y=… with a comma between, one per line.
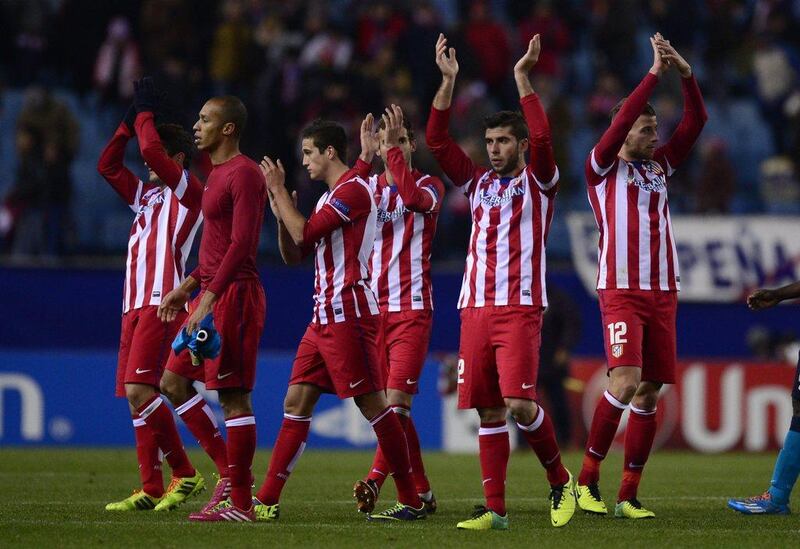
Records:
x=616, y=338
x=461, y=367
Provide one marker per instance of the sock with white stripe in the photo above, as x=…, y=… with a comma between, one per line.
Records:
x=601, y=434
x=541, y=437
x=494, y=451
x=285, y=454
x=392, y=441
x=157, y=415
x=148, y=455
x=200, y=420
x=639, y=436
x=241, y=448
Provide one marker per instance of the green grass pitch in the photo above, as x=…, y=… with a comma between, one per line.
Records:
x=55, y=498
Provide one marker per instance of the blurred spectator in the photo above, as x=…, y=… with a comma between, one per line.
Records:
x=489, y=43
x=230, y=50
x=542, y=19
x=117, y=64
x=607, y=93
x=379, y=25
x=779, y=187
x=614, y=26
x=775, y=67
x=716, y=182
x=327, y=47
x=561, y=328
x=46, y=140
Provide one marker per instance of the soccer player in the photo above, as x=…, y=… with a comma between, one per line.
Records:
x=338, y=352
x=775, y=501
x=408, y=208
x=233, y=207
x=167, y=219
x=503, y=291
x=638, y=279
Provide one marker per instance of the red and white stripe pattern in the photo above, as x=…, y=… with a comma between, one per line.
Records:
x=196, y=400
x=506, y=257
x=400, y=263
x=341, y=261
x=636, y=247
x=160, y=240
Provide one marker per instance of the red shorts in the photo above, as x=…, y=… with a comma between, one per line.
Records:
x=639, y=330
x=499, y=355
x=239, y=318
x=144, y=346
x=340, y=358
x=403, y=345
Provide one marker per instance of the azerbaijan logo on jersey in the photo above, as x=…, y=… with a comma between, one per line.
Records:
x=385, y=216
x=647, y=175
x=498, y=199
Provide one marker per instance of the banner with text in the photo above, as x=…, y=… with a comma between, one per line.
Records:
x=721, y=258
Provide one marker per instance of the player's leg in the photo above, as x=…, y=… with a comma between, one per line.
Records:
x=775, y=501
x=659, y=354
x=239, y=318
x=516, y=333
x=308, y=380
x=622, y=334
x=298, y=408
x=147, y=452
x=177, y=386
x=478, y=388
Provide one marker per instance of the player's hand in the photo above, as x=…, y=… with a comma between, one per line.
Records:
x=659, y=65
x=369, y=139
x=446, y=58
x=172, y=303
x=531, y=57
x=145, y=95
x=762, y=299
x=204, y=307
x=672, y=58
x=393, y=121
x=274, y=174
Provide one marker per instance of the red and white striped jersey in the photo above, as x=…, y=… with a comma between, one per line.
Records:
x=506, y=258
x=160, y=240
x=400, y=263
x=343, y=230
x=637, y=243
x=511, y=216
x=629, y=198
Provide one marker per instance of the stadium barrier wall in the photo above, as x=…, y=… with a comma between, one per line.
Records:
x=65, y=398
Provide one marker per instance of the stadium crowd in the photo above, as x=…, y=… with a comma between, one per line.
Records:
x=66, y=79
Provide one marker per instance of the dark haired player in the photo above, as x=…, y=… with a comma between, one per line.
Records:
x=408, y=207
x=233, y=207
x=167, y=218
x=638, y=279
x=338, y=353
x=503, y=291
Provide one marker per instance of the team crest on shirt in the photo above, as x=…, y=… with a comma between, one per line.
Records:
x=648, y=175
x=617, y=350
x=150, y=199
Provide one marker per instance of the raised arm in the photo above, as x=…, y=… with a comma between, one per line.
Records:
x=607, y=149
x=455, y=163
x=274, y=175
x=187, y=188
x=694, y=117
x=414, y=198
x=110, y=164
x=542, y=162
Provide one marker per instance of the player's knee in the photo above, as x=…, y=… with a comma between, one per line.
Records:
x=624, y=389
x=646, y=397
x=175, y=391
x=523, y=411
x=398, y=398
x=492, y=415
x=138, y=394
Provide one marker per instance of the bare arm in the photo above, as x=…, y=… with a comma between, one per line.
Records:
x=448, y=65
x=524, y=66
x=764, y=299
x=291, y=253
x=292, y=221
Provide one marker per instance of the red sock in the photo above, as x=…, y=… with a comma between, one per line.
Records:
x=287, y=450
x=392, y=441
x=639, y=437
x=541, y=437
x=601, y=434
x=494, y=453
x=200, y=420
x=241, y=448
x=159, y=418
x=415, y=454
x=147, y=453
x=379, y=471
